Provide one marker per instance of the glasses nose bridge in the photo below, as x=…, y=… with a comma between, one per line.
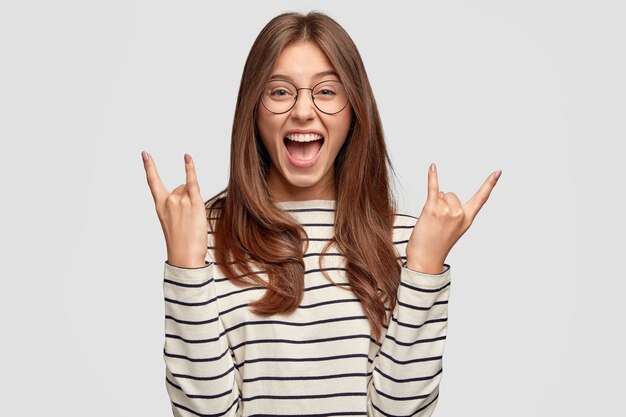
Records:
x=295, y=101
x=299, y=111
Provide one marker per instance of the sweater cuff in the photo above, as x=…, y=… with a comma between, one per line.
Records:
x=181, y=273
x=424, y=279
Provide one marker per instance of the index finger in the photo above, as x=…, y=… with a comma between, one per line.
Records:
x=192, y=179
x=433, y=183
x=157, y=188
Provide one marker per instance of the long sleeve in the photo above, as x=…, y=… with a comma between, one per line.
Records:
x=200, y=375
x=408, y=367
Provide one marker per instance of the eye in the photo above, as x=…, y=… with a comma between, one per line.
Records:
x=326, y=92
x=280, y=92
x=327, y=89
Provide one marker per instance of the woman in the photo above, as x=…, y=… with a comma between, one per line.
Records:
x=300, y=304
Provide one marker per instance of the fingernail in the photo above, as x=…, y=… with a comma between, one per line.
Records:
x=498, y=174
x=433, y=168
x=187, y=158
x=144, y=155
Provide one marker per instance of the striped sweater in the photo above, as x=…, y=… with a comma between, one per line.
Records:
x=223, y=360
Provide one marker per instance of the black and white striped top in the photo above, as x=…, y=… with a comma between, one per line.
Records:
x=223, y=360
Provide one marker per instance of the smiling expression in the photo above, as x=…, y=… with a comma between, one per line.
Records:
x=302, y=62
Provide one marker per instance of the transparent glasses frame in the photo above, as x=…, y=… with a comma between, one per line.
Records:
x=295, y=100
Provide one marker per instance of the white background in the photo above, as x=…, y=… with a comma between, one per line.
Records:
x=535, y=88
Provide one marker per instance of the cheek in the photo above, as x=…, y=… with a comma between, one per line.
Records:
x=342, y=128
x=268, y=132
x=345, y=119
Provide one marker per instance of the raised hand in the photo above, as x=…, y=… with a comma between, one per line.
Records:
x=442, y=223
x=182, y=215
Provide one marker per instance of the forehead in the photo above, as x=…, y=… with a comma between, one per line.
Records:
x=302, y=61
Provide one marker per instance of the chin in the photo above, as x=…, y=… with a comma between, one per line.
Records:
x=303, y=180
x=300, y=182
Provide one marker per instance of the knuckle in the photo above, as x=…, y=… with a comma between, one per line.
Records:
x=185, y=201
x=171, y=200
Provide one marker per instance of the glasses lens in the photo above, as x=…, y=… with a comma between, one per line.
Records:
x=330, y=96
x=279, y=96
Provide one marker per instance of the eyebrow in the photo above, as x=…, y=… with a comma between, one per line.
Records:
x=318, y=75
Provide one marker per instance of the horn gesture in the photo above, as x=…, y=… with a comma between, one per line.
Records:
x=442, y=222
x=182, y=215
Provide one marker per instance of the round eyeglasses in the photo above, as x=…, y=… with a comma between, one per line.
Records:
x=329, y=97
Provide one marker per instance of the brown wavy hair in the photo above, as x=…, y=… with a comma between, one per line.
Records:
x=251, y=230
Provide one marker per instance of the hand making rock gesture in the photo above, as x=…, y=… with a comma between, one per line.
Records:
x=182, y=215
x=442, y=222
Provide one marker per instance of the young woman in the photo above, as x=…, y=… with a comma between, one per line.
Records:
x=315, y=297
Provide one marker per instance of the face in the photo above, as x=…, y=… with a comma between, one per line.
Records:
x=299, y=171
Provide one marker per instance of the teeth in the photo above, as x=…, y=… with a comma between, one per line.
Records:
x=308, y=137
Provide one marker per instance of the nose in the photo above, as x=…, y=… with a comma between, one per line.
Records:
x=304, y=108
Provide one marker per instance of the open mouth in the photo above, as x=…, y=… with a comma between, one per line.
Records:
x=304, y=149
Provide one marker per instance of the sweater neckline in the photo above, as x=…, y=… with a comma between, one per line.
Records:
x=297, y=204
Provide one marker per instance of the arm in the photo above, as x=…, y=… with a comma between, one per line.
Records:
x=200, y=375
x=408, y=367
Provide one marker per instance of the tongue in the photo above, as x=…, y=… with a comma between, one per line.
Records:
x=304, y=151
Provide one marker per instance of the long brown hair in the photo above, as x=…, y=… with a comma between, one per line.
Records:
x=252, y=229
